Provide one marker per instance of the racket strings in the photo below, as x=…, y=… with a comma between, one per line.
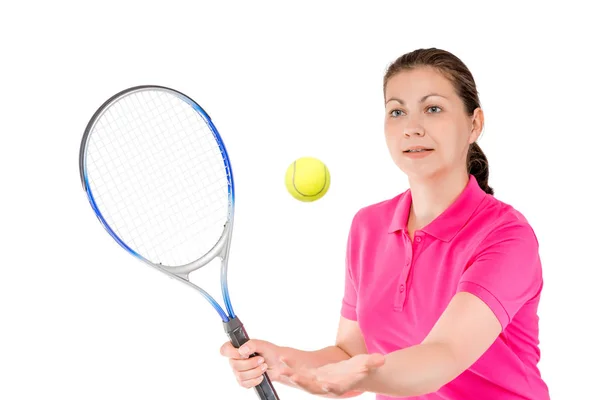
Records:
x=158, y=178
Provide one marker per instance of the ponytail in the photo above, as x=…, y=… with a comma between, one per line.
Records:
x=477, y=165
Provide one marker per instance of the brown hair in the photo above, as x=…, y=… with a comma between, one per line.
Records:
x=464, y=84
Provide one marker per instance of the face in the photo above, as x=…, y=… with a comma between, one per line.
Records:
x=427, y=129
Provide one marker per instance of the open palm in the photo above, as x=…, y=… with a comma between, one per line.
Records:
x=339, y=379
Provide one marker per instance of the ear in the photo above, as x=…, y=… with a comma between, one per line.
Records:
x=477, y=125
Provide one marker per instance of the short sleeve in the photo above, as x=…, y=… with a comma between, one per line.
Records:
x=506, y=273
x=349, y=300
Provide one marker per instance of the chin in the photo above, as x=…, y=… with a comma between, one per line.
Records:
x=419, y=172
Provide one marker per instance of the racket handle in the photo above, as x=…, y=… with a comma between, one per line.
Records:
x=238, y=336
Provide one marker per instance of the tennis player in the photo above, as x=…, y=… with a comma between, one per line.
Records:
x=442, y=282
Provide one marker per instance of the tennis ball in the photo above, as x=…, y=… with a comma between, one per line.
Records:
x=307, y=179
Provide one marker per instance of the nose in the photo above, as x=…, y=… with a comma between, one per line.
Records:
x=414, y=131
x=413, y=127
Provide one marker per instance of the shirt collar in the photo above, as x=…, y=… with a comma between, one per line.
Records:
x=448, y=223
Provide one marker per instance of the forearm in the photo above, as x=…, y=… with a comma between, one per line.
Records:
x=412, y=371
x=315, y=358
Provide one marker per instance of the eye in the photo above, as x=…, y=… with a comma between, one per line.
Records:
x=440, y=110
x=395, y=113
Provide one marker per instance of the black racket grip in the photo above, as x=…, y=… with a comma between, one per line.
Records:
x=238, y=336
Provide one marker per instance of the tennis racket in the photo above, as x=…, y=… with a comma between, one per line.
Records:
x=159, y=179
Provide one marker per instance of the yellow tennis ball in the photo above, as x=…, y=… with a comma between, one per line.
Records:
x=307, y=179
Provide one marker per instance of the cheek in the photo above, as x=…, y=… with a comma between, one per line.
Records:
x=391, y=133
x=393, y=144
x=389, y=127
x=454, y=146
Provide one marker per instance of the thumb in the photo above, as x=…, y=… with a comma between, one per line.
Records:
x=252, y=346
x=375, y=360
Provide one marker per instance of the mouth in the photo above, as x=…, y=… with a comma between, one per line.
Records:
x=418, y=150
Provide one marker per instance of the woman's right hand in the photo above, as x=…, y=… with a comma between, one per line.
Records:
x=249, y=370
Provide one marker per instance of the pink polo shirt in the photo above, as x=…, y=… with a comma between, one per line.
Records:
x=397, y=289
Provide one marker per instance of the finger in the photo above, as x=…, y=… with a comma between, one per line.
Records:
x=307, y=380
x=307, y=384
x=300, y=381
x=246, y=364
x=252, y=373
x=332, y=389
x=250, y=383
x=375, y=361
x=339, y=391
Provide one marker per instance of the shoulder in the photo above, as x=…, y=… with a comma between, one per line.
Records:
x=497, y=220
x=376, y=216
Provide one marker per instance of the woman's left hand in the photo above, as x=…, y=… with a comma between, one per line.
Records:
x=341, y=379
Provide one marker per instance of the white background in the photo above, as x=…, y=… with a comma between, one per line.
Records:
x=81, y=319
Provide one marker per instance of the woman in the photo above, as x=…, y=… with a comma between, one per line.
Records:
x=442, y=281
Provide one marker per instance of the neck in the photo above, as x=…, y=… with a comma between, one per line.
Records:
x=433, y=195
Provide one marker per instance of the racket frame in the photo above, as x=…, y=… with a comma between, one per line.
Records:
x=231, y=323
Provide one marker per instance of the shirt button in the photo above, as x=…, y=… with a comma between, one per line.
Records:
x=402, y=288
x=418, y=239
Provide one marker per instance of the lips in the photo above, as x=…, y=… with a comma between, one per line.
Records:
x=417, y=150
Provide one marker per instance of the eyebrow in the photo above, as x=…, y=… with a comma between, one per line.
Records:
x=422, y=98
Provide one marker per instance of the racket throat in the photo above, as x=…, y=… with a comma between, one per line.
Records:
x=236, y=332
